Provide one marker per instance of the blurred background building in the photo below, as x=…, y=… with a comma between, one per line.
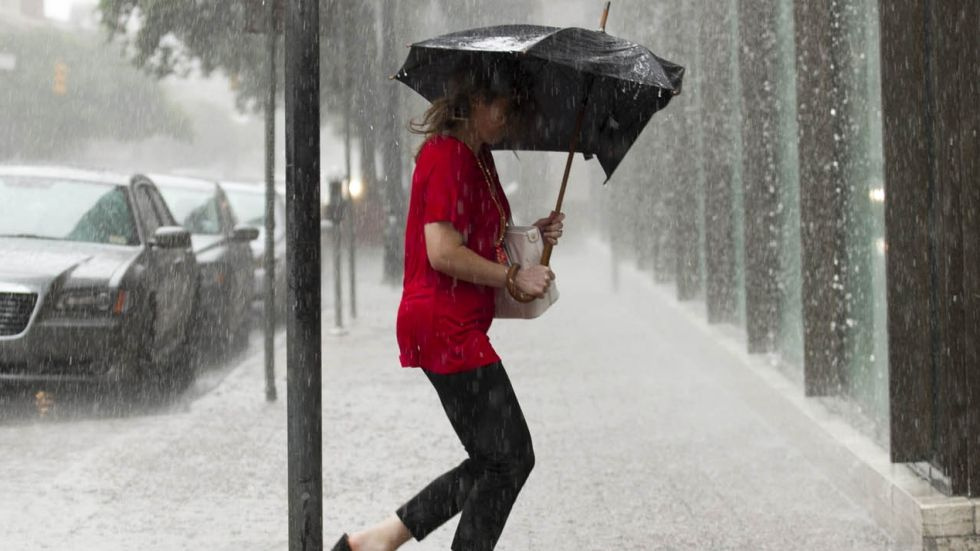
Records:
x=27, y=8
x=816, y=187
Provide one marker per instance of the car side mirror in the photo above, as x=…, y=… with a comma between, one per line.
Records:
x=171, y=237
x=245, y=233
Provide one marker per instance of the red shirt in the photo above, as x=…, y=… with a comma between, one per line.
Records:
x=443, y=322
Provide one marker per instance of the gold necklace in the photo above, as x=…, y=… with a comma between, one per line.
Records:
x=501, y=255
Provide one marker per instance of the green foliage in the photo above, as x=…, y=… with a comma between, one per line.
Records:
x=177, y=36
x=104, y=98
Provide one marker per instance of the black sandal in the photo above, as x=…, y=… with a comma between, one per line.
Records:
x=343, y=544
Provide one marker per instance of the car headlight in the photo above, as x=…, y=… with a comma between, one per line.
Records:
x=92, y=301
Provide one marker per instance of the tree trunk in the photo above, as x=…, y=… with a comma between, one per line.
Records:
x=391, y=179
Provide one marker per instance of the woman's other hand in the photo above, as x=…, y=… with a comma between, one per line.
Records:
x=551, y=227
x=534, y=280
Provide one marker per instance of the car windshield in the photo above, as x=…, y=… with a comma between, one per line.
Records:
x=71, y=210
x=250, y=207
x=195, y=209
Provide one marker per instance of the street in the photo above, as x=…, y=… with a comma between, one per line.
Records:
x=644, y=436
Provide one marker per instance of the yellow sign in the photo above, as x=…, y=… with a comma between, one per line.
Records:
x=60, y=84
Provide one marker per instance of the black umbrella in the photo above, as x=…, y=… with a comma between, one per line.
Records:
x=589, y=91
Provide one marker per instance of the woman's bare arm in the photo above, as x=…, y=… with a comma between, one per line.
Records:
x=448, y=254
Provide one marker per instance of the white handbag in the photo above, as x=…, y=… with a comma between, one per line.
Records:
x=523, y=245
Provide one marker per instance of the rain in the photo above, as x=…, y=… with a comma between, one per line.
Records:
x=250, y=253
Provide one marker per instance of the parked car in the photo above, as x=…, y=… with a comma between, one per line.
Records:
x=97, y=280
x=248, y=203
x=224, y=258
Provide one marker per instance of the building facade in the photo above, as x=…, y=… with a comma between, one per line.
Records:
x=27, y=8
x=818, y=184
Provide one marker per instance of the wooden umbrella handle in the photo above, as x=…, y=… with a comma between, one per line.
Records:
x=546, y=255
x=579, y=121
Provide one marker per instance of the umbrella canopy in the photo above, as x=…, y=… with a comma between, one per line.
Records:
x=621, y=83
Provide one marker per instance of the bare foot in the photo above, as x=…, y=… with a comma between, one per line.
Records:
x=387, y=535
x=366, y=541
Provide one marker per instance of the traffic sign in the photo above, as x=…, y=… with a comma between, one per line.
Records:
x=60, y=84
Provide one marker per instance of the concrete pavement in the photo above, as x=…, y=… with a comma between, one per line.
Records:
x=648, y=435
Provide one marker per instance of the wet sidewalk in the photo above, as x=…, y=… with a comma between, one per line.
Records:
x=649, y=434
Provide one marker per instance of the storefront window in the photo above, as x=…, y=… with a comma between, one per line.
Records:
x=789, y=339
x=867, y=357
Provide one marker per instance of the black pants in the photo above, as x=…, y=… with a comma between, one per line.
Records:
x=484, y=412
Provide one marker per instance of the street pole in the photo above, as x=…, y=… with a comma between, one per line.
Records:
x=350, y=216
x=351, y=257
x=348, y=98
x=394, y=198
x=303, y=349
x=336, y=219
x=272, y=37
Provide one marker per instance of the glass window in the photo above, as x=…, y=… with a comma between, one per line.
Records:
x=71, y=210
x=789, y=338
x=867, y=345
x=195, y=209
x=249, y=206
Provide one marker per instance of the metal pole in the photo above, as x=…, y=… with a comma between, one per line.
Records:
x=338, y=314
x=303, y=352
x=272, y=38
x=394, y=197
x=336, y=232
x=351, y=259
x=350, y=214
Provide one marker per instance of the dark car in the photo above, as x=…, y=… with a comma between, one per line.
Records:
x=224, y=258
x=97, y=281
x=248, y=203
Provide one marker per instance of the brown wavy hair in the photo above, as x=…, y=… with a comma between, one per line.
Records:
x=466, y=86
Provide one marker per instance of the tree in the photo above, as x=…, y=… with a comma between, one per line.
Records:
x=183, y=36
x=392, y=162
x=66, y=91
x=178, y=37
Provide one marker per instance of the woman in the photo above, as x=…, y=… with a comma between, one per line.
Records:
x=453, y=267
